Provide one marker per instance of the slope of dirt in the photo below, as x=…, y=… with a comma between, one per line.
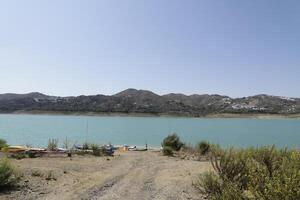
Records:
x=131, y=175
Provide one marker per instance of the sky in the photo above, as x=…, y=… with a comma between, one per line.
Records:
x=73, y=47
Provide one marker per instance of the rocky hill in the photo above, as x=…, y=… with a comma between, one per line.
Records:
x=143, y=101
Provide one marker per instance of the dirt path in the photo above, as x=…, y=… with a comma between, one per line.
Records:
x=132, y=175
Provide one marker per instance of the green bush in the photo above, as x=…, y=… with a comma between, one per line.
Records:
x=203, y=147
x=172, y=141
x=18, y=156
x=96, y=149
x=8, y=175
x=263, y=173
x=167, y=151
x=31, y=154
x=209, y=184
x=3, y=143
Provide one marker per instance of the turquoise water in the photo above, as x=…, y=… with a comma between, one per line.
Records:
x=37, y=129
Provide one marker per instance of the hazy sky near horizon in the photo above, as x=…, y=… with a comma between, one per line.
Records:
x=71, y=47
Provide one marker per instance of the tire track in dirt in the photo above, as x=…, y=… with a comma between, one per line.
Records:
x=136, y=183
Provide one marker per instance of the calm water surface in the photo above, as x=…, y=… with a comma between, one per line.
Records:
x=37, y=129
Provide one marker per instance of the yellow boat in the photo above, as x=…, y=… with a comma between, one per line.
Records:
x=14, y=149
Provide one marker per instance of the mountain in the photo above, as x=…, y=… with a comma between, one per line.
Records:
x=147, y=102
x=11, y=96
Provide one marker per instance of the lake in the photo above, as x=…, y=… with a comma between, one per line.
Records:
x=37, y=129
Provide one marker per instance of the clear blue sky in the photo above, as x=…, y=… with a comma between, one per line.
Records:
x=69, y=47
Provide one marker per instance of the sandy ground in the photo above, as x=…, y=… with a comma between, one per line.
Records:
x=130, y=175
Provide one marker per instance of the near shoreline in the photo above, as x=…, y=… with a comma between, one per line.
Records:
x=210, y=116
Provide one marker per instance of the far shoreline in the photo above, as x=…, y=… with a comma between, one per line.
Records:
x=119, y=114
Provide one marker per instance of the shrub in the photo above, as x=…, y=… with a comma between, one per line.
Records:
x=203, y=147
x=8, y=175
x=167, y=151
x=96, y=150
x=36, y=173
x=52, y=144
x=18, y=156
x=209, y=184
x=212, y=186
x=261, y=173
x=172, y=141
x=31, y=154
x=3, y=143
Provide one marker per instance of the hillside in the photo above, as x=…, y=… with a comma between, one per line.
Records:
x=147, y=102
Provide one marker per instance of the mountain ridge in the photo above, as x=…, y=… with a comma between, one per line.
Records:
x=148, y=102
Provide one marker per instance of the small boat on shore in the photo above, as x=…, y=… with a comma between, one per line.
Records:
x=22, y=149
x=138, y=149
x=14, y=149
x=37, y=149
x=79, y=147
x=134, y=148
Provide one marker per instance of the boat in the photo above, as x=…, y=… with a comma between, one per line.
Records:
x=61, y=150
x=138, y=149
x=80, y=147
x=14, y=149
x=36, y=150
x=134, y=148
x=108, y=149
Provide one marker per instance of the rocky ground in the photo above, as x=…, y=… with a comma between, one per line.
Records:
x=130, y=175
